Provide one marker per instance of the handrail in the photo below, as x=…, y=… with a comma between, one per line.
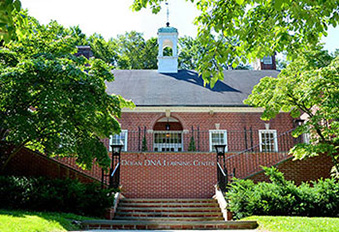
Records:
x=258, y=145
x=222, y=177
x=222, y=171
x=249, y=161
x=115, y=169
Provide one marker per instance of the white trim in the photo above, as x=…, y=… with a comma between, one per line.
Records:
x=175, y=146
x=267, y=60
x=217, y=131
x=274, y=137
x=125, y=142
x=193, y=109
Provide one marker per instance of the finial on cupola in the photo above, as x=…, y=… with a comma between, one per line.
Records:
x=167, y=24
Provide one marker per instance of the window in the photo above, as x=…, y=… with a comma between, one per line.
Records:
x=120, y=139
x=168, y=141
x=267, y=60
x=218, y=137
x=268, y=140
x=306, y=138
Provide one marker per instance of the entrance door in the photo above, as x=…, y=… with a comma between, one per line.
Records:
x=168, y=141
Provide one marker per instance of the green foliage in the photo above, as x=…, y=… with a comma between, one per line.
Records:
x=44, y=194
x=281, y=63
x=54, y=102
x=308, y=85
x=10, y=18
x=189, y=53
x=258, y=27
x=191, y=146
x=136, y=53
x=128, y=51
x=102, y=49
x=282, y=197
x=144, y=144
x=168, y=51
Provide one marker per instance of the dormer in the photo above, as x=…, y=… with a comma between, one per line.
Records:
x=266, y=63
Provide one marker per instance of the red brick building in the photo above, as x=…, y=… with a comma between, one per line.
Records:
x=168, y=138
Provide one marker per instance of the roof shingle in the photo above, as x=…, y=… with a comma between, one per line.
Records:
x=185, y=88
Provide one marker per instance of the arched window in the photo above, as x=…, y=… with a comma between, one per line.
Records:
x=168, y=135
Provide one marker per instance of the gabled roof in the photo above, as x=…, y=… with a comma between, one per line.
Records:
x=185, y=88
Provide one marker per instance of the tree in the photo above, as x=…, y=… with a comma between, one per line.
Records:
x=309, y=86
x=281, y=63
x=149, y=54
x=189, y=53
x=54, y=102
x=136, y=53
x=261, y=28
x=107, y=51
x=192, y=51
x=9, y=18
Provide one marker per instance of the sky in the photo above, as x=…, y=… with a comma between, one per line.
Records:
x=113, y=17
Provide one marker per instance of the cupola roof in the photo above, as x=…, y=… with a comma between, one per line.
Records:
x=167, y=30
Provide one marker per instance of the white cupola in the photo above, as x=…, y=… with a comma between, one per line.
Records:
x=168, y=52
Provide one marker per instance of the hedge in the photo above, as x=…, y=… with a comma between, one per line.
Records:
x=282, y=197
x=56, y=195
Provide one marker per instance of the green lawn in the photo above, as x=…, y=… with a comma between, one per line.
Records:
x=23, y=221
x=296, y=224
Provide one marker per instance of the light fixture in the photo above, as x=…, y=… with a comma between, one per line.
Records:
x=167, y=127
x=116, y=149
x=220, y=149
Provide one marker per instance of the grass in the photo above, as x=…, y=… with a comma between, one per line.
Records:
x=25, y=221
x=296, y=224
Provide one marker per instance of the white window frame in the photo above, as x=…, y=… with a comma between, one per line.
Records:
x=177, y=147
x=224, y=142
x=275, y=141
x=267, y=60
x=124, y=143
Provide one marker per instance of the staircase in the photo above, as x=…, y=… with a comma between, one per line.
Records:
x=179, y=214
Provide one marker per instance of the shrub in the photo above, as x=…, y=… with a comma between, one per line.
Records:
x=191, y=146
x=44, y=194
x=282, y=197
x=144, y=144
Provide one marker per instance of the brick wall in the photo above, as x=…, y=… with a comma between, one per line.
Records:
x=29, y=163
x=207, y=121
x=232, y=122
x=162, y=175
x=168, y=175
x=142, y=178
x=301, y=170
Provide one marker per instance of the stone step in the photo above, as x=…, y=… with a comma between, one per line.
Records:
x=125, y=217
x=172, y=225
x=166, y=209
x=168, y=204
x=168, y=214
x=141, y=200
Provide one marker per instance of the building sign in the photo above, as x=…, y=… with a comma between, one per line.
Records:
x=166, y=163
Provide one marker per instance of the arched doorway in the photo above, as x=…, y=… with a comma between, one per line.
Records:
x=168, y=136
